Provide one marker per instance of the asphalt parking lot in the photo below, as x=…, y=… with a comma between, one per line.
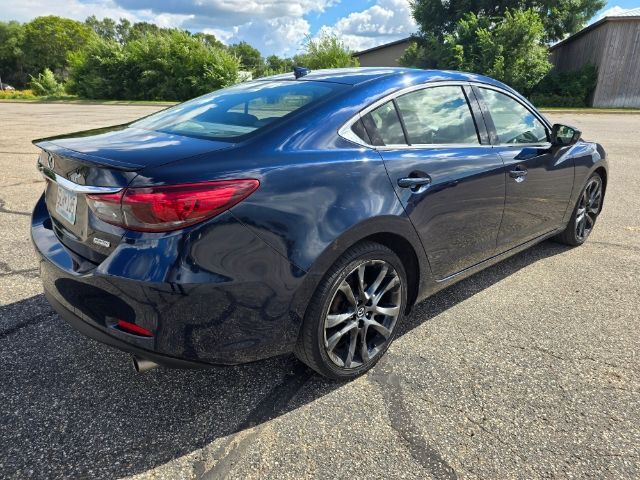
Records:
x=530, y=369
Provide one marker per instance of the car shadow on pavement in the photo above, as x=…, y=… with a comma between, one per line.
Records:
x=71, y=407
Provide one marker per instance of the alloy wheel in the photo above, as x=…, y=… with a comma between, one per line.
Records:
x=362, y=314
x=588, y=208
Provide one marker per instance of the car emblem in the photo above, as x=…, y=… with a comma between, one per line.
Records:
x=51, y=163
x=360, y=312
x=101, y=242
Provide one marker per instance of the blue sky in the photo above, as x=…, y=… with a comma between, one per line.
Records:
x=273, y=26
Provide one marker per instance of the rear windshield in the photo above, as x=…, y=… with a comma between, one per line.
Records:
x=237, y=111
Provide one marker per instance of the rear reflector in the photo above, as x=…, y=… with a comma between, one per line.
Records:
x=133, y=329
x=172, y=207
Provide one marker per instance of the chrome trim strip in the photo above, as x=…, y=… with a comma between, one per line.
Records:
x=49, y=174
x=346, y=132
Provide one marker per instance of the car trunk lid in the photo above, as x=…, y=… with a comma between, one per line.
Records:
x=77, y=166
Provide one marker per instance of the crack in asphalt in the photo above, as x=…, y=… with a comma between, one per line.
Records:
x=8, y=271
x=271, y=406
x=623, y=246
x=31, y=321
x=557, y=356
x=400, y=421
x=13, y=212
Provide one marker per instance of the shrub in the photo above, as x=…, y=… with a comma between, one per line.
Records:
x=327, y=51
x=46, y=84
x=169, y=65
x=17, y=94
x=566, y=89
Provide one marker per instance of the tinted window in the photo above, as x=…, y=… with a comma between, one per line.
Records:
x=514, y=123
x=384, y=126
x=438, y=115
x=233, y=112
x=361, y=132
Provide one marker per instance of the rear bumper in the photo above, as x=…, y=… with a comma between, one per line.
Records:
x=95, y=333
x=218, y=295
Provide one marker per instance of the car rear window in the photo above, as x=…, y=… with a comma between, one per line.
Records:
x=234, y=112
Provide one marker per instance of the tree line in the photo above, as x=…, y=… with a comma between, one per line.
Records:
x=108, y=59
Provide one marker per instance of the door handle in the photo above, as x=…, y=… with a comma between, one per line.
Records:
x=519, y=174
x=414, y=183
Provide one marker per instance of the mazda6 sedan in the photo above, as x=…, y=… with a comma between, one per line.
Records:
x=301, y=213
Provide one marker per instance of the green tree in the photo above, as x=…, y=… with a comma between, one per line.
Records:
x=559, y=17
x=105, y=28
x=160, y=65
x=249, y=57
x=49, y=40
x=11, y=53
x=209, y=39
x=327, y=51
x=508, y=49
x=276, y=64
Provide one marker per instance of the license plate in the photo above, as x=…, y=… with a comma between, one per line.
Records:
x=66, y=205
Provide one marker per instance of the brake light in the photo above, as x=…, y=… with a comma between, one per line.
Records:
x=171, y=207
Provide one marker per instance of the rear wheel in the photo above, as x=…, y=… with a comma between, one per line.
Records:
x=352, y=317
x=584, y=214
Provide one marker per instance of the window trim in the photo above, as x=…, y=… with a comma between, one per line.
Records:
x=491, y=128
x=346, y=132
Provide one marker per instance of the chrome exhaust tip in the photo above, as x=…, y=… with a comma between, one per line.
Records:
x=142, y=365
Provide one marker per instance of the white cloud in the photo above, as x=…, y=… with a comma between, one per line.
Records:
x=282, y=35
x=25, y=10
x=384, y=22
x=273, y=26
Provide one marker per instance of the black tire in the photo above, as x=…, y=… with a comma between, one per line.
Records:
x=330, y=303
x=585, y=213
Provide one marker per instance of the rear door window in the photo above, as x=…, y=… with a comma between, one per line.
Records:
x=383, y=125
x=438, y=115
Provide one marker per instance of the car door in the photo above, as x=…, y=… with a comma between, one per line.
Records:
x=447, y=176
x=538, y=178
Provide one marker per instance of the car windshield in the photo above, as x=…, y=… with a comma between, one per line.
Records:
x=233, y=112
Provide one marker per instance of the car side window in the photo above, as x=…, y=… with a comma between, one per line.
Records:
x=514, y=123
x=383, y=125
x=438, y=115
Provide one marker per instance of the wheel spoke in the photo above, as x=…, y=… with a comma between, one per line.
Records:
x=348, y=292
x=364, y=349
x=588, y=222
x=389, y=311
x=381, y=329
x=353, y=342
x=389, y=285
x=333, y=340
x=336, y=319
x=361, y=290
x=371, y=291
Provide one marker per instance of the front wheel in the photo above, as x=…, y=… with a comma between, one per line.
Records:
x=352, y=317
x=584, y=214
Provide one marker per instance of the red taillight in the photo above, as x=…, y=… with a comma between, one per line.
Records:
x=133, y=328
x=166, y=208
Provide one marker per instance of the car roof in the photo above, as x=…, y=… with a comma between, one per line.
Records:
x=358, y=75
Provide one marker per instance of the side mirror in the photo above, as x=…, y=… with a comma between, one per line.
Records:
x=563, y=135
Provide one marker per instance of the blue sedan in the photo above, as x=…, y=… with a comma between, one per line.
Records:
x=303, y=213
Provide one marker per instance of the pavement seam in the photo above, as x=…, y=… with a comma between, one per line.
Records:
x=400, y=421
